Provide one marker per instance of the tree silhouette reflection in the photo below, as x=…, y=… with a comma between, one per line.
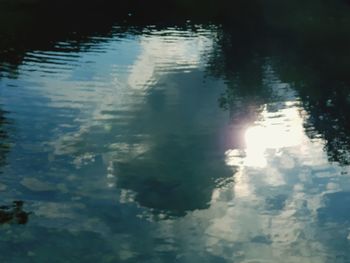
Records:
x=314, y=64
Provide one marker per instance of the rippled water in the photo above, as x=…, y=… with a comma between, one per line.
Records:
x=172, y=144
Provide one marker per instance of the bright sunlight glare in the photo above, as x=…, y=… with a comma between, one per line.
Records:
x=275, y=130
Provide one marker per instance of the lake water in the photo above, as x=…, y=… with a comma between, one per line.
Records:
x=189, y=142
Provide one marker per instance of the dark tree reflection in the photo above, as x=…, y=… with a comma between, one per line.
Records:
x=318, y=71
x=309, y=51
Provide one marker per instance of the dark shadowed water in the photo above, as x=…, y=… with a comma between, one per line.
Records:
x=133, y=141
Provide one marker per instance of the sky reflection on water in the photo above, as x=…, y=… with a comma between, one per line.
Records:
x=121, y=149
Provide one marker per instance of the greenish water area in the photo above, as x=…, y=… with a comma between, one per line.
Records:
x=217, y=135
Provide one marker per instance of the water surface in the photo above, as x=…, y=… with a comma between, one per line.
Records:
x=186, y=142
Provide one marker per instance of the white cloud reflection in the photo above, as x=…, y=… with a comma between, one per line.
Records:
x=158, y=54
x=164, y=54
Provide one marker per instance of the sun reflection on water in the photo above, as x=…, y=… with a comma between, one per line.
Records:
x=274, y=131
